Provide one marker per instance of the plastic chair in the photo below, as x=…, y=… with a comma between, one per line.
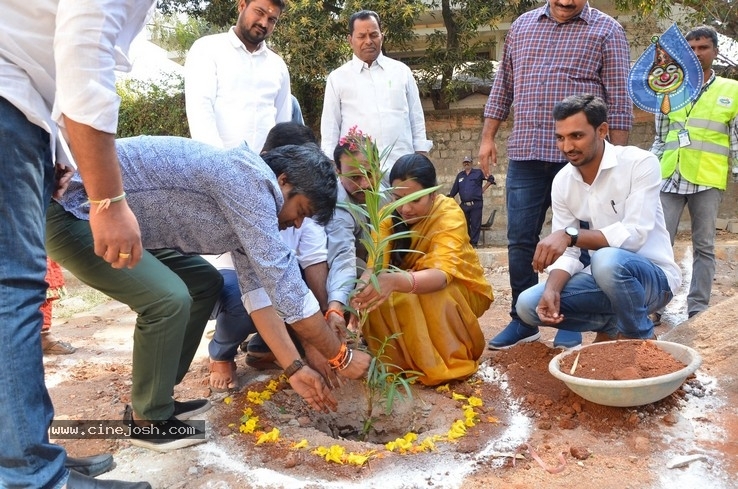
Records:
x=487, y=226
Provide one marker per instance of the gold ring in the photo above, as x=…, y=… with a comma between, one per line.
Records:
x=124, y=255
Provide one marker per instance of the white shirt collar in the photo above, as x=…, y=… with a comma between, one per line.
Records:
x=237, y=44
x=358, y=65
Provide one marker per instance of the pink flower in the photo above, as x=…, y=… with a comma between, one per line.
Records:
x=354, y=139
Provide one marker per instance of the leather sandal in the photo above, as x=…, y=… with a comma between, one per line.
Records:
x=52, y=346
x=223, y=372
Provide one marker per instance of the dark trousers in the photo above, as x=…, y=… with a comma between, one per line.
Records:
x=173, y=295
x=473, y=214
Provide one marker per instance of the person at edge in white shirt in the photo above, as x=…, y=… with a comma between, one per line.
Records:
x=236, y=88
x=57, y=61
x=233, y=324
x=616, y=190
x=376, y=93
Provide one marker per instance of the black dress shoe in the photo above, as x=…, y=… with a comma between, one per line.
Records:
x=79, y=481
x=90, y=466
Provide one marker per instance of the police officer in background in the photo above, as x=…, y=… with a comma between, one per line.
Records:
x=468, y=185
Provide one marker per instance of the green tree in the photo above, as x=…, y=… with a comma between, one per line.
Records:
x=456, y=55
x=310, y=36
x=177, y=33
x=152, y=108
x=720, y=14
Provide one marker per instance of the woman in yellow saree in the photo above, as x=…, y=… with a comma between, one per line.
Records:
x=436, y=297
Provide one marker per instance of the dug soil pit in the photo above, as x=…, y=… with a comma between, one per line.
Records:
x=484, y=421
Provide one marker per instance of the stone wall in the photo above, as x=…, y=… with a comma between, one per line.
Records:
x=456, y=133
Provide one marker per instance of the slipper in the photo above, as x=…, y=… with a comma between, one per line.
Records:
x=223, y=372
x=262, y=361
x=52, y=346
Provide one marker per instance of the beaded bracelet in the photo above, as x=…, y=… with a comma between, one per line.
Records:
x=332, y=310
x=105, y=203
x=340, y=357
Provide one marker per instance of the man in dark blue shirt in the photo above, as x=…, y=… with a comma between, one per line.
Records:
x=468, y=185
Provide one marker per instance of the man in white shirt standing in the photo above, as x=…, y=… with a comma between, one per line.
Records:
x=236, y=88
x=56, y=71
x=376, y=93
x=616, y=190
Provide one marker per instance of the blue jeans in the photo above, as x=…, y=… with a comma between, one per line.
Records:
x=622, y=291
x=232, y=323
x=528, y=197
x=27, y=459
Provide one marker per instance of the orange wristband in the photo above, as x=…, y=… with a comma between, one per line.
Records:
x=332, y=311
x=336, y=361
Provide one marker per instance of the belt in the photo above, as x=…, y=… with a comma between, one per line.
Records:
x=469, y=204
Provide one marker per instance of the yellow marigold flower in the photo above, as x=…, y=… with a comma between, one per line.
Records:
x=492, y=419
x=427, y=444
x=457, y=397
x=475, y=401
x=228, y=400
x=254, y=397
x=249, y=426
x=272, y=386
x=402, y=444
x=357, y=459
x=458, y=429
x=265, y=396
x=443, y=388
x=272, y=436
x=333, y=454
x=469, y=415
x=301, y=444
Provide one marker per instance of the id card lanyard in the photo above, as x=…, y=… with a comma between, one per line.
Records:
x=683, y=134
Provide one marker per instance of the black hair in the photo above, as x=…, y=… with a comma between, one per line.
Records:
x=594, y=109
x=310, y=173
x=278, y=3
x=353, y=144
x=414, y=166
x=363, y=15
x=419, y=168
x=705, y=31
x=285, y=133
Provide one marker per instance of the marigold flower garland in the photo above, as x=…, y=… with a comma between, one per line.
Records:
x=408, y=444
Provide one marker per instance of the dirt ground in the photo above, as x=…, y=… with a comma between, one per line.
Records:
x=522, y=411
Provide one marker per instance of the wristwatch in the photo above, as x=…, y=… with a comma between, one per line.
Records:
x=573, y=234
x=293, y=368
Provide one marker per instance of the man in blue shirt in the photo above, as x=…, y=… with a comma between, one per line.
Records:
x=191, y=199
x=468, y=185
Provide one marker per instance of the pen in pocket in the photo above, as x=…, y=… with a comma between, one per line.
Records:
x=612, y=203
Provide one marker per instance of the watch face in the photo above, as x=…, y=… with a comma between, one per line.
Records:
x=572, y=231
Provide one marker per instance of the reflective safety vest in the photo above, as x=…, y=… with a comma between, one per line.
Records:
x=705, y=160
